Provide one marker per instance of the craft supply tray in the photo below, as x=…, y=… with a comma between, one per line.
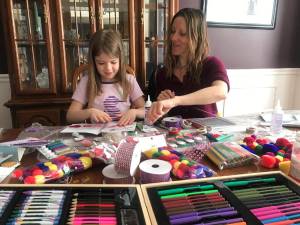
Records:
x=112, y=204
x=246, y=199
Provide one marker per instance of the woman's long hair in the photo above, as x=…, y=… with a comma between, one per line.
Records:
x=108, y=42
x=198, y=46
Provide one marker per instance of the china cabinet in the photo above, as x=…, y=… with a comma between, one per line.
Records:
x=48, y=39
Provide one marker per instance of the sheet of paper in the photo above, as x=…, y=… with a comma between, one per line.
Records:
x=98, y=128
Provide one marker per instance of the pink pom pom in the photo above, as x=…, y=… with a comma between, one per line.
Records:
x=268, y=161
x=282, y=142
x=17, y=173
x=29, y=180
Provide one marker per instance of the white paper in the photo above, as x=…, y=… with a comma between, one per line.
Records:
x=98, y=128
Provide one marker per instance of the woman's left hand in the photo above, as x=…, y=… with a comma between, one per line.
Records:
x=127, y=118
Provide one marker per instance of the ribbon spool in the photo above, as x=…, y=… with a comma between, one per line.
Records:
x=128, y=158
x=171, y=122
x=111, y=176
x=154, y=170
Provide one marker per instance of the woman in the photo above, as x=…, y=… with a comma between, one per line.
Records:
x=191, y=82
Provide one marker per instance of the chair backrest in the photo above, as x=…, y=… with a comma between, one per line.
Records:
x=80, y=71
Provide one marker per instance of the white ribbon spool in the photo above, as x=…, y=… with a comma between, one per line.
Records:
x=111, y=176
x=154, y=170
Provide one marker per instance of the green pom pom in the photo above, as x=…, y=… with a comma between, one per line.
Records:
x=156, y=155
x=259, y=150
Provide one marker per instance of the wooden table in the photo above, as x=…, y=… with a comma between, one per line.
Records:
x=94, y=175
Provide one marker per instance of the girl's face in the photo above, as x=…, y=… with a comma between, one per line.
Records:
x=179, y=37
x=107, y=66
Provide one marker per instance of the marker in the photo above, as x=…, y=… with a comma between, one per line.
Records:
x=265, y=209
x=198, y=213
x=278, y=214
x=189, y=194
x=281, y=218
x=180, y=190
x=247, y=182
x=193, y=219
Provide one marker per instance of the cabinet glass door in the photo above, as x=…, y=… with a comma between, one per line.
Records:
x=33, y=46
x=114, y=14
x=156, y=21
x=77, y=23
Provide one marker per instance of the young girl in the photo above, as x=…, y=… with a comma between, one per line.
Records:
x=108, y=92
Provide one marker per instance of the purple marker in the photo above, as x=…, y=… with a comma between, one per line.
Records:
x=192, y=219
x=177, y=216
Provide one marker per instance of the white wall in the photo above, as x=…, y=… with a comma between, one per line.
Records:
x=257, y=90
x=5, y=118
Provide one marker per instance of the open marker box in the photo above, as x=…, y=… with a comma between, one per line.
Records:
x=259, y=198
x=72, y=204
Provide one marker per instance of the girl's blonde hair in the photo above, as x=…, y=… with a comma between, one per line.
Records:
x=198, y=47
x=108, y=42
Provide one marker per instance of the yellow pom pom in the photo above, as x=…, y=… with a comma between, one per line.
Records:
x=86, y=162
x=176, y=165
x=60, y=173
x=184, y=161
x=48, y=163
x=285, y=166
x=39, y=179
x=150, y=152
x=52, y=167
x=165, y=152
x=279, y=157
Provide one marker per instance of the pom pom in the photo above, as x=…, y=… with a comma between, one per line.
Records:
x=248, y=140
x=37, y=172
x=39, y=179
x=268, y=161
x=270, y=148
x=285, y=166
x=86, y=162
x=165, y=152
x=17, y=173
x=29, y=180
x=282, y=142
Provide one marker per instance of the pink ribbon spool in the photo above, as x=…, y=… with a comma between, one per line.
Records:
x=172, y=122
x=127, y=158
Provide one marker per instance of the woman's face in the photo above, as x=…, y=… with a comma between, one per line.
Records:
x=179, y=37
x=107, y=66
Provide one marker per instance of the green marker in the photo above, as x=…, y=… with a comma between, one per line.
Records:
x=180, y=190
x=246, y=182
x=188, y=194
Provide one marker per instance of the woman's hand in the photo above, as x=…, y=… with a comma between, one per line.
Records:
x=160, y=108
x=98, y=116
x=165, y=94
x=127, y=118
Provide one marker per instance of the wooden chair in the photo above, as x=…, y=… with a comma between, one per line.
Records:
x=79, y=72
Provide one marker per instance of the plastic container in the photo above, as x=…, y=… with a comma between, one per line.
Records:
x=295, y=159
x=277, y=119
x=147, y=107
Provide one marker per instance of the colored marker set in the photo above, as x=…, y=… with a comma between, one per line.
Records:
x=262, y=198
x=57, y=204
x=229, y=154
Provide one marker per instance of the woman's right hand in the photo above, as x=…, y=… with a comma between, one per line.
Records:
x=165, y=94
x=98, y=116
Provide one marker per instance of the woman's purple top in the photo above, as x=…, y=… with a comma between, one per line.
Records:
x=213, y=69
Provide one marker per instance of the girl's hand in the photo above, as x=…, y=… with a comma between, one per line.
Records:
x=127, y=118
x=98, y=116
x=166, y=94
x=160, y=108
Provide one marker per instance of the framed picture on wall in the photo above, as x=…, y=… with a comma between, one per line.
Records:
x=241, y=13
